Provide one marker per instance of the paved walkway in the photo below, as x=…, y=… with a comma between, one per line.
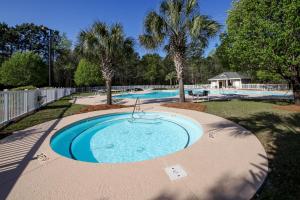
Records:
x=228, y=162
x=101, y=99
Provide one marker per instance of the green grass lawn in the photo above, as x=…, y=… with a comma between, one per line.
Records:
x=58, y=109
x=279, y=133
x=83, y=94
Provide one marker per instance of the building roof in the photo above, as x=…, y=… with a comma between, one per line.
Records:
x=229, y=75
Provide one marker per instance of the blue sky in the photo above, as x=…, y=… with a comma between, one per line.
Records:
x=70, y=16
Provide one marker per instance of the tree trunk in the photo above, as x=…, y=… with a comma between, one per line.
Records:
x=296, y=90
x=108, y=74
x=297, y=97
x=108, y=90
x=179, y=64
x=181, y=90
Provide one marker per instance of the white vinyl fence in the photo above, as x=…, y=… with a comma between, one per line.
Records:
x=272, y=87
x=265, y=86
x=14, y=104
x=144, y=87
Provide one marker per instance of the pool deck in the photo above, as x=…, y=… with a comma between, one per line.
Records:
x=100, y=99
x=228, y=162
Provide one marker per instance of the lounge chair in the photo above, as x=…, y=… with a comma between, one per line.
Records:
x=138, y=89
x=190, y=92
x=204, y=93
x=99, y=92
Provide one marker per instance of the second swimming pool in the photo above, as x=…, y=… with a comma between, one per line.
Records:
x=172, y=93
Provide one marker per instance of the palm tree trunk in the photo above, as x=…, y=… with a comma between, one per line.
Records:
x=108, y=90
x=179, y=62
x=108, y=74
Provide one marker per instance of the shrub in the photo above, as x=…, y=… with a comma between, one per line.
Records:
x=161, y=89
x=28, y=87
x=87, y=74
x=23, y=69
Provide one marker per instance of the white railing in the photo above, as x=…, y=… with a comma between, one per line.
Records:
x=197, y=86
x=265, y=86
x=144, y=87
x=14, y=104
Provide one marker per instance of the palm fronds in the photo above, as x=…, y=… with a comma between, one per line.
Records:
x=180, y=22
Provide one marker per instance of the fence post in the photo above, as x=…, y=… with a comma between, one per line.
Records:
x=6, y=105
x=25, y=100
x=36, y=98
x=55, y=94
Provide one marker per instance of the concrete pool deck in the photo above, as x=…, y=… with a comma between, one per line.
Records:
x=101, y=99
x=228, y=162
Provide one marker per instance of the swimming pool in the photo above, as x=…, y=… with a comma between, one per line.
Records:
x=172, y=93
x=148, y=95
x=117, y=138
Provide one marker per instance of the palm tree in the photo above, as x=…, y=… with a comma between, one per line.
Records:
x=179, y=26
x=106, y=45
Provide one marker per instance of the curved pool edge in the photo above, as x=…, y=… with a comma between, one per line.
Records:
x=221, y=165
x=190, y=127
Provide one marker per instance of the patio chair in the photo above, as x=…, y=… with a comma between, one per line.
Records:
x=138, y=89
x=190, y=92
x=101, y=91
x=198, y=95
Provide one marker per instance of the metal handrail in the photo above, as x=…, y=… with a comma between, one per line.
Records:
x=136, y=102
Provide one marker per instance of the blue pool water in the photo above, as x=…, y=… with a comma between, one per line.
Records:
x=173, y=93
x=150, y=95
x=117, y=138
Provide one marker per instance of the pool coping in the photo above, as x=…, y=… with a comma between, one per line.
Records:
x=227, y=162
x=127, y=118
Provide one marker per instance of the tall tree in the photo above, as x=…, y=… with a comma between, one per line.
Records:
x=127, y=68
x=179, y=25
x=170, y=77
x=264, y=35
x=30, y=37
x=8, y=39
x=35, y=38
x=153, y=68
x=65, y=63
x=105, y=45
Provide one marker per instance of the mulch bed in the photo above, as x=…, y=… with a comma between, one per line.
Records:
x=293, y=108
x=189, y=106
x=101, y=107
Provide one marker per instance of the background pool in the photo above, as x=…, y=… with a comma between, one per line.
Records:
x=172, y=93
x=149, y=95
x=117, y=138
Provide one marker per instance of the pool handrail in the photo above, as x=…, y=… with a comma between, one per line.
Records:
x=134, y=108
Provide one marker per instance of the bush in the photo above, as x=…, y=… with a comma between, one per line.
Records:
x=162, y=89
x=23, y=69
x=28, y=87
x=87, y=74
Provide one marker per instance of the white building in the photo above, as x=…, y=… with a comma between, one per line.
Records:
x=228, y=80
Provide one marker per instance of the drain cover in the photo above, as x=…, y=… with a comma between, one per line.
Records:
x=175, y=172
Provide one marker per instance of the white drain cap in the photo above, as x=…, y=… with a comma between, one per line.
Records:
x=175, y=172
